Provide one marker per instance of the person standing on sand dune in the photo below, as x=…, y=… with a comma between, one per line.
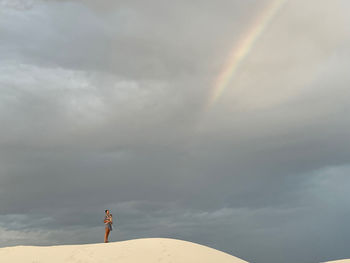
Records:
x=108, y=220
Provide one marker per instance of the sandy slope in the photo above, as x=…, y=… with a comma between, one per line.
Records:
x=151, y=250
x=340, y=261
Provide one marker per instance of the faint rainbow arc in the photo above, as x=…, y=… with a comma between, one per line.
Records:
x=242, y=49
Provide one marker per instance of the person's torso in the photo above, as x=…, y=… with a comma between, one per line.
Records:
x=108, y=218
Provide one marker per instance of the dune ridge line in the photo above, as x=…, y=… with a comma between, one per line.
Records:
x=146, y=250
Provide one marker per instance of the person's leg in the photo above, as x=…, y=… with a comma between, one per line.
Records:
x=106, y=234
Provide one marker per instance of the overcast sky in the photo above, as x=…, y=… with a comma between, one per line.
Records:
x=104, y=104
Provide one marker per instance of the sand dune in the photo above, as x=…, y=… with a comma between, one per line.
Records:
x=339, y=261
x=134, y=251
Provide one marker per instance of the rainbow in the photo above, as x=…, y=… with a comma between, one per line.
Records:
x=242, y=49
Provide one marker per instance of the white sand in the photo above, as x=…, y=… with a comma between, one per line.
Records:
x=150, y=250
x=340, y=261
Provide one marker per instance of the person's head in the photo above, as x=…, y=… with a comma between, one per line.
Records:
x=107, y=211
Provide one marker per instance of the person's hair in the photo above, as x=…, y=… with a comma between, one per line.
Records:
x=106, y=210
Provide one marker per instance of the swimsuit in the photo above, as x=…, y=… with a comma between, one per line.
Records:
x=109, y=224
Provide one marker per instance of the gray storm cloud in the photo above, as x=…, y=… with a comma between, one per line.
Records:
x=105, y=105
